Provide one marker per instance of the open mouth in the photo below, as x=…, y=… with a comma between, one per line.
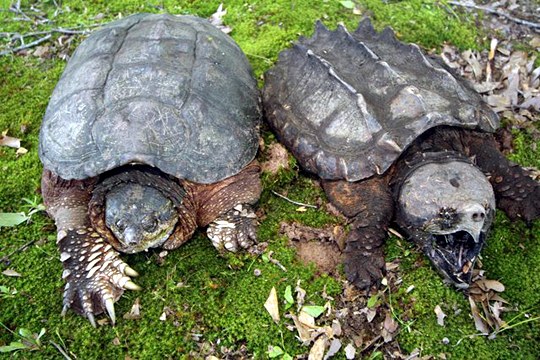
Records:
x=454, y=255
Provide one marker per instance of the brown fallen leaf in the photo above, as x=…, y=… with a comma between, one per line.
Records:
x=9, y=141
x=11, y=272
x=271, y=305
x=135, y=312
x=479, y=323
x=317, y=350
x=216, y=19
x=440, y=315
x=304, y=331
x=278, y=158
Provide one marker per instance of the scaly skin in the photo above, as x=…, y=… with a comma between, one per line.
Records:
x=234, y=230
x=370, y=207
x=95, y=275
x=369, y=203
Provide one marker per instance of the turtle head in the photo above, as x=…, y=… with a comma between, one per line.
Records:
x=447, y=207
x=139, y=216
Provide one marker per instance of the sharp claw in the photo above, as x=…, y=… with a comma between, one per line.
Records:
x=109, y=305
x=90, y=317
x=130, y=272
x=64, y=310
x=130, y=285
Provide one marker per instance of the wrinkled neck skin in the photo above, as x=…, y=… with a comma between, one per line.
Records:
x=139, y=211
x=446, y=205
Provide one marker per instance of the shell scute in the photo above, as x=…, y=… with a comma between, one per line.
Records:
x=357, y=100
x=172, y=92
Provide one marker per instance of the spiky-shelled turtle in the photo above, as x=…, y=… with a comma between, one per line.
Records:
x=150, y=133
x=394, y=135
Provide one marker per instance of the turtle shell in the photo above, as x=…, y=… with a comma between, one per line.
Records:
x=348, y=104
x=167, y=91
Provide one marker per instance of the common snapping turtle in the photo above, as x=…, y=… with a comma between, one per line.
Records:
x=150, y=133
x=395, y=136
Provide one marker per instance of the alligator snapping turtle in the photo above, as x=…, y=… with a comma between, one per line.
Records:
x=150, y=133
x=394, y=135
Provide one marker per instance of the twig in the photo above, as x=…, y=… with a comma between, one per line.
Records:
x=16, y=8
x=471, y=4
x=275, y=261
x=21, y=248
x=294, y=202
x=27, y=46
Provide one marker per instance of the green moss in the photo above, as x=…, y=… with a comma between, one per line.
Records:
x=221, y=298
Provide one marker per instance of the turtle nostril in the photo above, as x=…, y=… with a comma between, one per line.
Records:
x=478, y=216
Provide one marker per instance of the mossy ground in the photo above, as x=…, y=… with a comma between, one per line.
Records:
x=218, y=297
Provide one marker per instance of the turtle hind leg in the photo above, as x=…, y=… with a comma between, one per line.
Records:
x=370, y=206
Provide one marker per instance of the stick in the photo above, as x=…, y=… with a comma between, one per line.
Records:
x=18, y=250
x=29, y=45
x=292, y=201
x=487, y=9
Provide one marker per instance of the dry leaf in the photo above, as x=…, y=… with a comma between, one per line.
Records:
x=440, y=315
x=494, y=285
x=135, y=312
x=300, y=294
x=390, y=323
x=334, y=348
x=479, y=323
x=306, y=319
x=370, y=314
x=350, y=351
x=336, y=328
x=9, y=141
x=317, y=350
x=512, y=88
x=304, y=332
x=216, y=19
x=11, y=272
x=278, y=158
x=271, y=305
x=21, y=151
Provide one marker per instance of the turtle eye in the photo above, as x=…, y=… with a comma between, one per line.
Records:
x=149, y=224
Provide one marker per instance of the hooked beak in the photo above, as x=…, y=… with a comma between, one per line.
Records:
x=454, y=255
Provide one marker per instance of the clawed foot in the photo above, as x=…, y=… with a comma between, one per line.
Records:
x=234, y=230
x=526, y=207
x=95, y=275
x=363, y=271
x=364, y=258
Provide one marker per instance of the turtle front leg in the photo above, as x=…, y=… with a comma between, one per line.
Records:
x=369, y=205
x=236, y=229
x=95, y=275
x=226, y=208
